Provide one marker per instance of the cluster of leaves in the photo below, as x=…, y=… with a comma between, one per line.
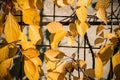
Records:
x=57, y=62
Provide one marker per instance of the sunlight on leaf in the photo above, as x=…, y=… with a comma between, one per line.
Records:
x=84, y=3
x=5, y=67
x=12, y=29
x=50, y=65
x=110, y=35
x=54, y=27
x=98, y=68
x=81, y=13
x=4, y=51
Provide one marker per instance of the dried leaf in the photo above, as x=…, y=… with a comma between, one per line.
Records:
x=4, y=51
x=71, y=41
x=54, y=27
x=98, y=41
x=57, y=38
x=84, y=3
x=31, y=70
x=73, y=55
x=5, y=67
x=90, y=72
x=99, y=29
x=102, y=4
x=54, y=55
x=12, y=29
x=101, y=34
x=38, y=4
x=34, y=33
x=50, y=66
x=55, y=76
x=110, y=35
x=98, y=68
x=102, y=14
x=12, y=51
x=1, y=28
x=31, y=53
x=31, y=16
x=106, y=52
x=72, y=29
x=116, y=60
x=81, y=13
x=75, y=78
x=81, y=28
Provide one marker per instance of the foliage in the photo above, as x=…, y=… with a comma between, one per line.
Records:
x=16, y=44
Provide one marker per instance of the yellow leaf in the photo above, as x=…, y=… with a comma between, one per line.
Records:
x=98, y=68
x=110, y=35
x=5, y=67
x=102, y=4
x=31, y=53
x=102, y=14
x=81, y=28
x=54, y=55
x=54, y=27
x=12, y=29
x=98, y=41
x=61, y=3
x=12, y=51
x=72, y=29
x=38, y=4
x=84, y=2
x=106, y=52
x=90, y=72
x=31, y=70
x=69, y=2
x=25, y=44
x=57, y=38
x=116, y=60
x=99, y=28
x=22, y=4
x=50, y=65
x=34, y=33
x=71, y=41
x=31, y=16
x=51, y=37
x=55, y=76
x=4, y=51
x=101, y=34
x=81, y=13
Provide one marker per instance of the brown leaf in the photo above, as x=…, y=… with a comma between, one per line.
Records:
x=31, y=16
x=81, y=13
x=98, y=68
x=101, y=34
x=5, y=67
x=106, y=52
x=31, y=53
x=98, y=41
x=4, y=51
x=54, y=27
x=99, y=29
x=90, y=72
x=12, y=29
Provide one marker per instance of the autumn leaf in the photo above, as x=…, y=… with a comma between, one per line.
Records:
x=55, y=76
x=34, y=33
x=24, y=43
x=51, y=37
x=31, y=53
x=54, y=27
x=31, y=70
x=1, y=23
x=69, y=2
x=90, y=72
x=99, y=29
x=81, y=13
x=98, y=41
x=81, y=28
x=38, y=4
x=101, y=34
x=72, y=29
x=71, y=41
x=106, y=52
x=61, y=3
x=12, y=29
x=98, y=68
x=102, y=14
x=54, y=55
x=31, y=16
x=84, y=2
x=110, y=35
x=57, y=38
x=50, y=65
x=116, y=60
x=5, y=67
x=4, y=51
